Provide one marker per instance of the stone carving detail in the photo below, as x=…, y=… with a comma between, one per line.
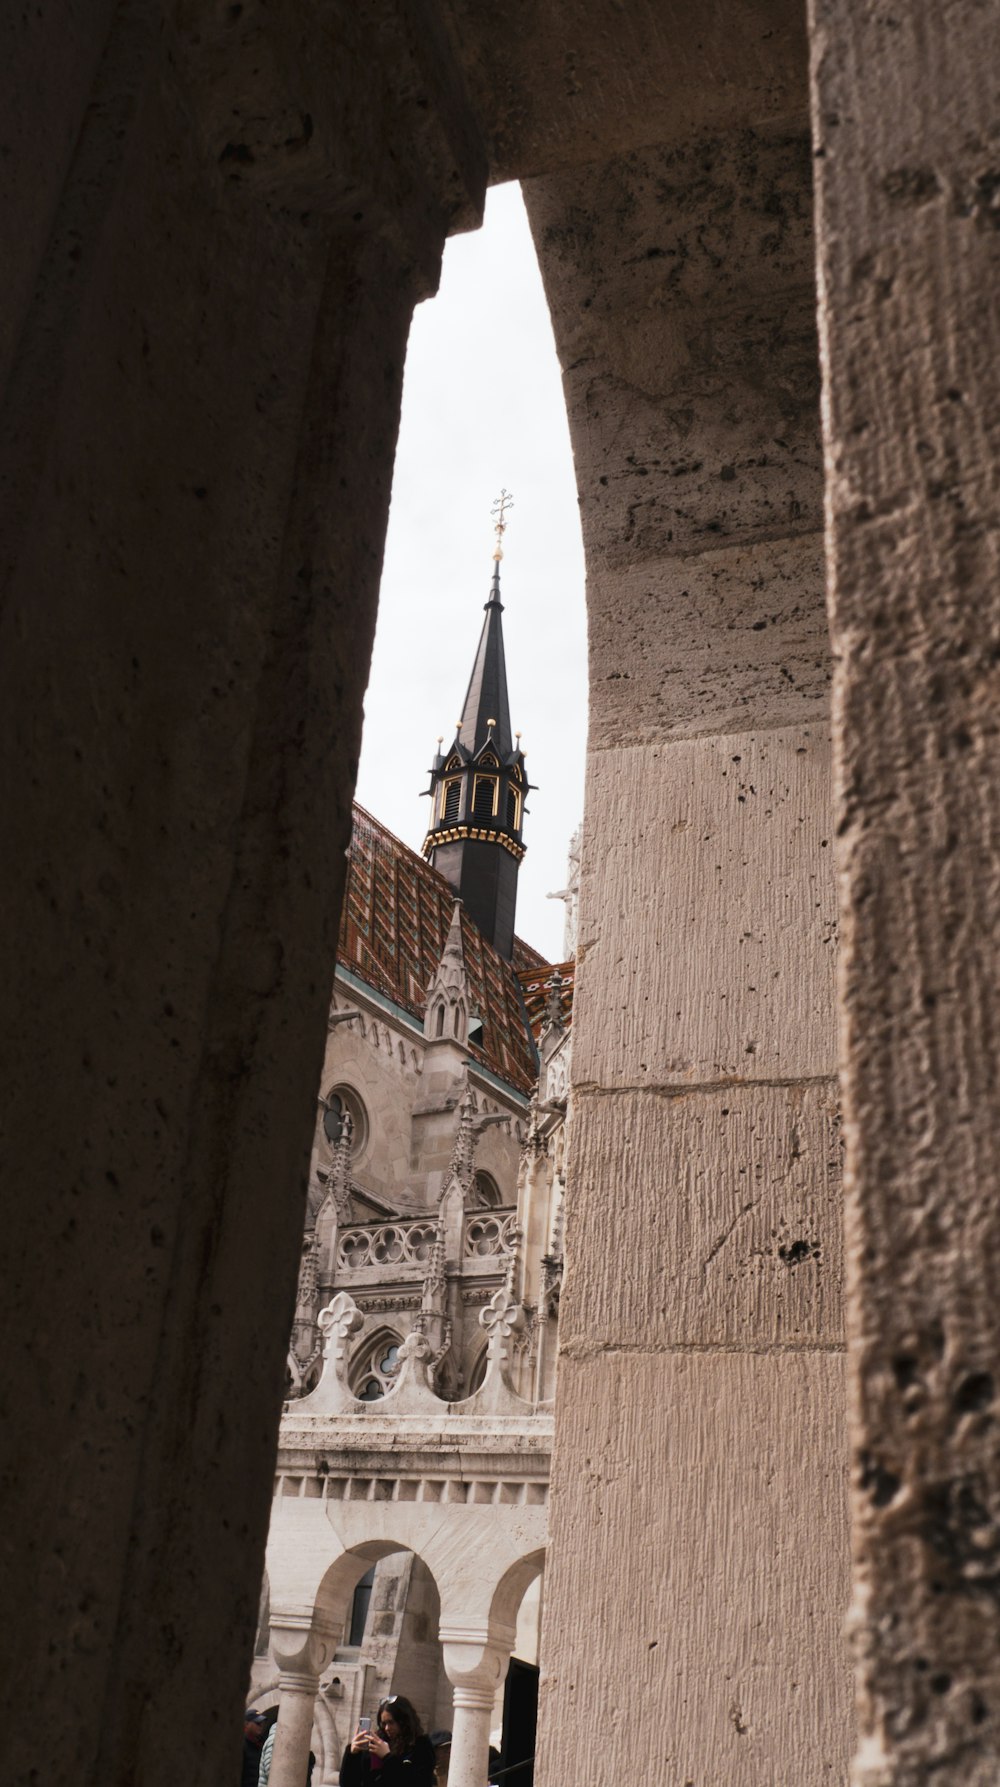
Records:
x=305, y=1347
x=382, y=1305
x=447, y=1008
x=338, y=1321
x=553, y=1004
x=489, y=1233
x=391, y=1244
x=501, y=1315
x=338, y=1179
x=470, y=1127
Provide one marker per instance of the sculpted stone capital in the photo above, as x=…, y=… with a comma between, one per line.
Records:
x=301, y=1649
x=475, y=1658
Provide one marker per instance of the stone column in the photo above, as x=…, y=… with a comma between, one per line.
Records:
x=301, y=1658
x=475, y=1662
x=228, y=214
x=908, y=176
x=699, y=1467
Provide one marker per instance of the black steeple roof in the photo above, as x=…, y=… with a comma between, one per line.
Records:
x=486, y=696
x=479, y=785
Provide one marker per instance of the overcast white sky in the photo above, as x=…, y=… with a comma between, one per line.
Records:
x=483, y=408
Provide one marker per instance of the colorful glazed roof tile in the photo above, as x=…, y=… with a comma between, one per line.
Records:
x=396, y=915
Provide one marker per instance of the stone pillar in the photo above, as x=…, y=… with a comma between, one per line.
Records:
x=475, y=1663
x=905, y=124
x=699, y=1468
x=228, y=214
x=301, y=1658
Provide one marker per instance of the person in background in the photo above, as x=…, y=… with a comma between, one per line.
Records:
x=267, y=1748
x=395, y=1754
x=254, y=1733
x=440, y=1742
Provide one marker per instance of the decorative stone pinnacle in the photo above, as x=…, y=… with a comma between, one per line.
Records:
x=553, y=1005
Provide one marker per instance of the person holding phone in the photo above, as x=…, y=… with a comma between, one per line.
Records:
x=393, y=1754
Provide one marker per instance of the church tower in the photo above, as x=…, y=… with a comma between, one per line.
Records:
x=478, y=785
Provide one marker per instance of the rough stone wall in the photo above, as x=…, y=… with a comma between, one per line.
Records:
x=699, y=1468
x=906, y=126
x=204, y=315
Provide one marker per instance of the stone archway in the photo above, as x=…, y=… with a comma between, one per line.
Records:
x=481, y=1559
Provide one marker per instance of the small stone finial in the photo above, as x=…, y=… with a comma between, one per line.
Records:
x=501, y=1315
x=553, y=1003
x=339, y=1320
x=503, y=502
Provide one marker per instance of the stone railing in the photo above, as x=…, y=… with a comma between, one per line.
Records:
x=489, y=1232
x=391, y=1244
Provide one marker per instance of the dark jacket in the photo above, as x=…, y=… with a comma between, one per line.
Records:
x=415, y=1768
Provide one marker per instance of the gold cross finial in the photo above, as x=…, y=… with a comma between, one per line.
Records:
x=503, y=502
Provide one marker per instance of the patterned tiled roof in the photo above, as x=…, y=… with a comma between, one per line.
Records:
x=396, y=915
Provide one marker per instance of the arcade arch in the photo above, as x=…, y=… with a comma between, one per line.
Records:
x=474, y=1564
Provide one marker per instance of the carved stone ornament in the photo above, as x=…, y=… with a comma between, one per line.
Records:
x=337, y=1323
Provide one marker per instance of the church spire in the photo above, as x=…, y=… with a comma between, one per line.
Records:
x=478, y=785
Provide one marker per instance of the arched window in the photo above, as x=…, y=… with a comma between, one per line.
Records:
x=338, y=1103
x=513, y=809
x=451, y=800
x=484, y=797
x=374, y=1371
x=439, y=1021
x=486, y=1192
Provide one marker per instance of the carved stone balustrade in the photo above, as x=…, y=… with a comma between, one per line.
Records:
x=390, y=1244
x=489, y=1238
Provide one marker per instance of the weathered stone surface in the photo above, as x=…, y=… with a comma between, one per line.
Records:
x=724, y=1209
x=681, y=287
x=199, y=410
x=682, y=291
x=707, y=913
x=705, y=643
x=906, y=123
x=562, y=84
x=705, y=1494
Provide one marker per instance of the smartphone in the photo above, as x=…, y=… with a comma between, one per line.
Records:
x=364, y=1724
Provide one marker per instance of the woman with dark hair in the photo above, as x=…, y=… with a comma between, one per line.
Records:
x=395, y=1754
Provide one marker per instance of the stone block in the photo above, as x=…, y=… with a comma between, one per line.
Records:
x=682, y=293
x=722, y=1210
x=708, y=643
x=706, y=1494
x=707, y=913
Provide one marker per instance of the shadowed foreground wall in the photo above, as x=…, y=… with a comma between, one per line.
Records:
x=205, y=310
x=906, y=125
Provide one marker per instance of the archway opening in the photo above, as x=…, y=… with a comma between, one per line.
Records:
x=382, y=1603
x=519, y=1600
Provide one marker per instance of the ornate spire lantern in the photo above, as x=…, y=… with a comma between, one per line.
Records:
x=478, y=785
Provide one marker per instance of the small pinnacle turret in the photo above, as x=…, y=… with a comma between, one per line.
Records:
x=478, y=785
